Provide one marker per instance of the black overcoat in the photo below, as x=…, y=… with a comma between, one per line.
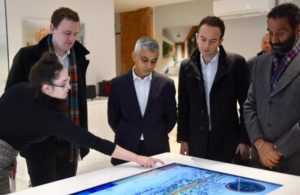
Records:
x=21, y=67
x=229, y=87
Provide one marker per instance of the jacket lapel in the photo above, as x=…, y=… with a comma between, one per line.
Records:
x=195, y=70
x=290, y=73
x=266, y=64
x=132, y=96
x=222, y=68
x=153, y=89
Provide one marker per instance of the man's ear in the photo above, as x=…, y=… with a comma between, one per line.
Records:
x=133, y=55
x=221, y=41
x=51, y=28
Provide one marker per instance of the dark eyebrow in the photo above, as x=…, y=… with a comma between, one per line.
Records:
x=66, y=79
x=207, y=38
x=282, y=28
x=146, y=58
x=68, y=31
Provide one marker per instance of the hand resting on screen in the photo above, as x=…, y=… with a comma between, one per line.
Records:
x=144, y=161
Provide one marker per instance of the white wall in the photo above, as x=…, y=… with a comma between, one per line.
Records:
x=180, y=14
x=98, y=17
x=297, y=2
x=242, y=35
x=3, y=48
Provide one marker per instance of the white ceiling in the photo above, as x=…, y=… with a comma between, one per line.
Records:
x=131, y=5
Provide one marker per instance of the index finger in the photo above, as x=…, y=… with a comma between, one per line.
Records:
x=159, y=161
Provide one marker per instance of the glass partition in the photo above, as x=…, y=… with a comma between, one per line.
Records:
x=3, y=47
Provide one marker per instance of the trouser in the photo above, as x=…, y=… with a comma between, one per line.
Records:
x=51, y=165
x=7, y=159
x=4, y=185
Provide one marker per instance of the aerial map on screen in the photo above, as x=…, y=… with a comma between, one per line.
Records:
x=182, y=179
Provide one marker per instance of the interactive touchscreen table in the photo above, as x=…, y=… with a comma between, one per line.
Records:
x=180, y=175
x=177, y=178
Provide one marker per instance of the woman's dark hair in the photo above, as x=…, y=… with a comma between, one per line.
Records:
x=214, y=22
x=61, y=13
x=44, y=71
x=289, y=11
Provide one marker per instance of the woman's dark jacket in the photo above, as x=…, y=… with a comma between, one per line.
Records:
x=27, y=117
x=19, y=72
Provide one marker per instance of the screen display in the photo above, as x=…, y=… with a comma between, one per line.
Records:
x=182, y=179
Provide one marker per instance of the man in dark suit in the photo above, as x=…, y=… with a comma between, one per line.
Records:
x=142, y=105
x=211, y=83
x=54, y=158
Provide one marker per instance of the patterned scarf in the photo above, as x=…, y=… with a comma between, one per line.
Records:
x=280, y=62
x=73, y=99
x=71, y=107
x=73, y=93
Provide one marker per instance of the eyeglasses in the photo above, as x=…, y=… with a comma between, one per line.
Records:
x=62, y=86
x=67, y=82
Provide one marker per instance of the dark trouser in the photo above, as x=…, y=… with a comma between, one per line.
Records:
x=4, y=185
x=51, y=165
x=141, y=151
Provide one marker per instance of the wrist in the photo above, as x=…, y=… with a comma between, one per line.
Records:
x=136, y=158
x=259, y=144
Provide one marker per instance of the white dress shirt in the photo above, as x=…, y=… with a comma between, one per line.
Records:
x=209, y=72
x=142, y=89
x=64, y=60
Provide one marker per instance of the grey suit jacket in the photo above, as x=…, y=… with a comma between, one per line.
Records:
x=274, y=114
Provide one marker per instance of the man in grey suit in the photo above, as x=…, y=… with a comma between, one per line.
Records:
x=272, y=109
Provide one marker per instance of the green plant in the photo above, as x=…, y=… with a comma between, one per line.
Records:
x=167, y=48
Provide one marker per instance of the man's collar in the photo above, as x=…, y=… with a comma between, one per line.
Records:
x=213, y=60
x=137, y=77
x=64, y=56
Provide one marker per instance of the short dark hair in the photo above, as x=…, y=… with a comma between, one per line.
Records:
x=289, y=11
x=44, y=71
x=213, y=21
x=61, y=13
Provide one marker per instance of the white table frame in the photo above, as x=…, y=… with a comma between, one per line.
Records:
x=290, y=183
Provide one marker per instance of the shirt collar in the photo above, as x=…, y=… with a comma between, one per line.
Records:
x=64, y=56
x=214, y=60
x=135, y=77
x=298, y=44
